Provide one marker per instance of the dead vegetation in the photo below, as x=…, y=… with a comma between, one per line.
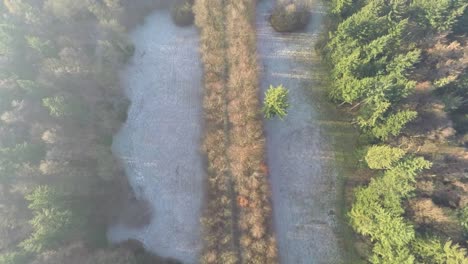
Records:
x=238, y=213
x=247, y=144
x=218, y=215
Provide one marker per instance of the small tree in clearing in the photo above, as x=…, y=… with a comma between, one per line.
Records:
x=275, y=102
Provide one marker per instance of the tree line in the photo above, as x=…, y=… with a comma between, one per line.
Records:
x=60, y=104
x=237, y=217
x=389, y=62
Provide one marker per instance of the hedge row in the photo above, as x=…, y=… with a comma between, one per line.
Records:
x=247, y=144
x=218, y=217
x=237, y=215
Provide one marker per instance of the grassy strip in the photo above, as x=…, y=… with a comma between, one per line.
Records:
x=218, y=218
x=247, y=145
x=238, y=212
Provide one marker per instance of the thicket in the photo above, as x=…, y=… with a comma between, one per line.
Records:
x=219, y=226
x=288, y=16
x=60, y=104
x=246, y=152
x=375, y=48
x=377, y=212
x=390, y=62
x=237, y=217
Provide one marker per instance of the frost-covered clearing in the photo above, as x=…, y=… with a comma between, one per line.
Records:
x=159, y=144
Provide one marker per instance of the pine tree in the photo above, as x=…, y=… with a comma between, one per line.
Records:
x=383, y=157
x=276, y=102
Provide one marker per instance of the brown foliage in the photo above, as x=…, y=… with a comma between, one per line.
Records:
x=242, y=201
x=234, y=140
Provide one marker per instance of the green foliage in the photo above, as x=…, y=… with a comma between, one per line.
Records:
x=341, y=7
x=45, y=197
x=275, y=102
x=49, y=58
x=51, y=227
x=43, y=47
x=441, y=15
x=383, y=157
x=24, y=152
x=7, y=38
x=13, y=158
x=56, y=106
x=463, y=219
x=432, y=251
x=372, y=52
x=52, y=221
x=393, y=124
x=60, y=106
x=15, y=258
x=377, y=211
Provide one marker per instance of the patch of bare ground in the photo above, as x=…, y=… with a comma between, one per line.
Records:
x=427, y=215
x=159, y=144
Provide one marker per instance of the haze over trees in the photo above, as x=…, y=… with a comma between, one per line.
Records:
x=60, y=104
x=400, y=67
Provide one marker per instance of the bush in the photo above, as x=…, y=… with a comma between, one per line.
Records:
x=182, y=13
x=276, y=102
x=289, y=17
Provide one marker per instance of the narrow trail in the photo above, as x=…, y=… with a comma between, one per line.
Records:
x=303, y=177
x=159, y=144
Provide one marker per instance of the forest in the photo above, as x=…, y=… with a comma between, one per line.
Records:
x=395, y=70
x=60, y=103
x=400, y=68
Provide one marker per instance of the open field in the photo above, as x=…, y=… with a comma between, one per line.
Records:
x=159, y=143
x=237, y=217
x=305, y=167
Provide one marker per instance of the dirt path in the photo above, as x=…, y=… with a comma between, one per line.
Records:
x=304, y=181
x=160, y=142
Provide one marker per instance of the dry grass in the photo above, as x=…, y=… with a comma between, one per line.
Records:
x=425, y=211
x=234, y=142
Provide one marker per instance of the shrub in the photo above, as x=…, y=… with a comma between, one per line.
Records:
x=276, y=102
x=182, y=13
x=289, y=17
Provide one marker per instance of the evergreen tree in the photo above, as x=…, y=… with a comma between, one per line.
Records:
x=276, y=102
x=383, y=157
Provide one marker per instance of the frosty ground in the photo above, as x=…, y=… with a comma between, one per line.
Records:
x=159, y=144
x=303, y=184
